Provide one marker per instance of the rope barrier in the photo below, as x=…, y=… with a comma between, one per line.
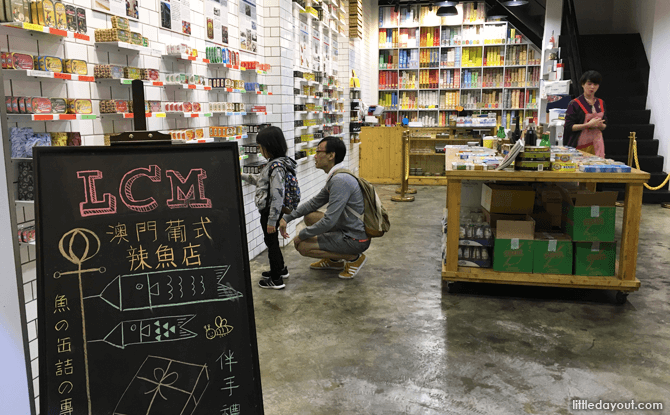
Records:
x=637, y=166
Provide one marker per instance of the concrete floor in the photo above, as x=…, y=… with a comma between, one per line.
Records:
x=393, y=341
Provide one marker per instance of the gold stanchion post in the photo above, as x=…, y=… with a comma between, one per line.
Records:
x=405, y=171
x=631, y=144
x=406, y=135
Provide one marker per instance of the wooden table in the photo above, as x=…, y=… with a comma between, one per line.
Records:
x=624, y=282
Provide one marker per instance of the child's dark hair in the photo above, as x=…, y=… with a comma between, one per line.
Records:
x=335, y=145
x=592, y=76
x=272, y=139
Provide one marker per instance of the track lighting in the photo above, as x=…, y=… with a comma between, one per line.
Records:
x=447, y=11
x=513, y=3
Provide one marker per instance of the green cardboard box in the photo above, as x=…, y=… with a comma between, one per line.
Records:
x=513, y=246
x=595, y=258
x=588, y=216
x=552, y=253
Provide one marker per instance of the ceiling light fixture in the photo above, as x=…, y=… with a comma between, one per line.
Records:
x=514, y=3
x=446, y=3
x=447, y=11
x=430, y=7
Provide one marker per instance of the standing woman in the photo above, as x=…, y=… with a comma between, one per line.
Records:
x=585, y=118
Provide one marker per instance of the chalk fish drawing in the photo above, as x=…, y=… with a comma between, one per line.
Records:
x=149, y=330
x=168, y=288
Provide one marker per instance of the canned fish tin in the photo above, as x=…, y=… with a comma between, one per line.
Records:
x=131, y=73
x=81, y=20
x=22, y=105
x=187, y=107
x=21, y=61
x=61, y=18
x=29, y=105
x=79, y=106
x=49, y=17
x=149, y=74
x=71, y=17
x=154, y=106
x=58, y=105
x=40, y=105
x=75, y=66
x=8, y=105
x=121, y=106
x=197, y=107
x=59, y=139
x=50, y=64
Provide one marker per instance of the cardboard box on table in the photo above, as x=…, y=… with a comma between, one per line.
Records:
x=588, y=216
x=513, y=245
x=508, y=199
x=595, y=258
x=493, y=218
x=552, y=253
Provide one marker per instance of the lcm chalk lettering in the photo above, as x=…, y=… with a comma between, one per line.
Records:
x=188, y=192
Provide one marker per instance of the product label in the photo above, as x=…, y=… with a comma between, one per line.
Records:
x=595, y=211
x=552, y=245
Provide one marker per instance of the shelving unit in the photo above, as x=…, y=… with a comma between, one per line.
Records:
x=317, y=100
x=467, y=62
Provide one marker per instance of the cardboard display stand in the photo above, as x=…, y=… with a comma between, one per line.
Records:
x=144, y=292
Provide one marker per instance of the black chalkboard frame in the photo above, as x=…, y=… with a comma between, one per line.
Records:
x=41, y=157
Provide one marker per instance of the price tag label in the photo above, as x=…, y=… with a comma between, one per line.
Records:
x=514, y=243
x=552, y=245
x=32, y=26
x=59, y=75
x=41, y=74
x=595, y=211
x=88, y=116
x=595, y=247
x=160, y=115
x=126, y=81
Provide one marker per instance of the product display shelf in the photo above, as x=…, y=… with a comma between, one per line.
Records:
x=127, y=47
x=228, y=113
x=50, y=117
x=27, y=74
x=188, y=114
x=625, y=279
x=219, y=65
x=129, y=115
x=186, y=57
x=230, y=90
x=188, y=86
x=127, y=81
x=47, y=30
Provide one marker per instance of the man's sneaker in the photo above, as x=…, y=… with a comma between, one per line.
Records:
x=283, y=273
x=272, y=284
x=327, y=264
x=352, y=268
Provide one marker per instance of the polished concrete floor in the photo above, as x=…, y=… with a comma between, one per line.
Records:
x=393, y=341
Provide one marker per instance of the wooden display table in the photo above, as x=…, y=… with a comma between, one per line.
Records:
x=624, y=282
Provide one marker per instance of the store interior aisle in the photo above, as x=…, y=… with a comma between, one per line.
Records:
x=393, y=341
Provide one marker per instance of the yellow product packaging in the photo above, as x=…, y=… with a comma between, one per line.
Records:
x=564, y=167
x=50, y=64
x=79, y=106
x=37, y=12
x=61, y=17
x=49, y=13
x=59, y=139
x=75, y=66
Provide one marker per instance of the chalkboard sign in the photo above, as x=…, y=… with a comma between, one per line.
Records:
x=145, y=303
